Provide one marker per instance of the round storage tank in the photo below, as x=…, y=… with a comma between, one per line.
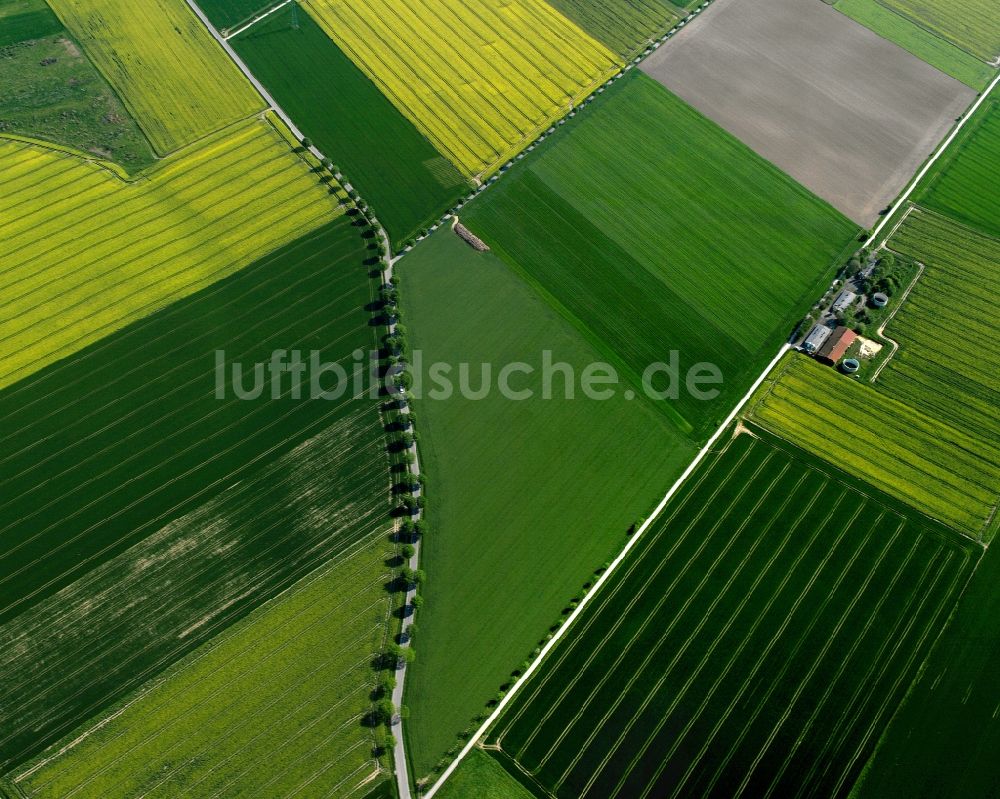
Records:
x=851, y=365
x=880, y=300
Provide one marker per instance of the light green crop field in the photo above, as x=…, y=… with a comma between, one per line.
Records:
x=755, y=642
x=525, y=497
x=653, y=230
x=898, y=447
x=173, y=77
x=964, y=183
x=942, y=366
x=83, y=252
x=973, y=25
x=924, y=44
x=625, y=26
x=480, y=776
x=271, y=707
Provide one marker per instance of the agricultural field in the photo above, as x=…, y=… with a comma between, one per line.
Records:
x=227, y=14
x=652, y=230
x=480, y=776
x=964, y=186
x=944, y=740
x=52, y=92
x=480, y=79
x=755, y=643
x=792, y=79
x=973, y=25
x=525, y=498
x=386, y=159
x=172, y=76
x=625, y=26
x=78, y=263
x=903, y=449
x=274, y=706
x=155, y=512
x=937, y=52
x=23, y=20
x=951, y=310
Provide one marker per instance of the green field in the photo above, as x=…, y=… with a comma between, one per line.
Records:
x=940, y=327
x=404, y=179
x=973, y=25
x=480, y=776
x=52, y=92
x=756, y=642
x=271, y=707
x=141, y=514
x=925, y=45
x=652, y=230
x=22, y=20
x=625, y=26
x=964, y=185
x=945, y=739
x=172, y=76
x=229, y=13
x=898, y=447
x=525, y=498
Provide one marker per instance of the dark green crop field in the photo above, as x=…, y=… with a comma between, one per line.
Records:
x=24, y=20
x=625, y=26
x=651, y=229
x=228, y=13
x=965, y=185
x=140, y=514
x=756, y=643
x=406, y=181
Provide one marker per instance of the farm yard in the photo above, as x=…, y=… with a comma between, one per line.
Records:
x=273, y=706
x=924, y=44
x=156, y=513
x=173, y=78
x=903, y=449
x=964, y=186
x=971, y=24
x=77, y=264
x=713, y=232
x=625, y=26
x=404, y=179
x=526, y=498
x=52, y=91
x=480, y=79
x=773, y=618
x=793, y=80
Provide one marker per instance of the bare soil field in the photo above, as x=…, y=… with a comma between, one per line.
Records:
x=846, y=113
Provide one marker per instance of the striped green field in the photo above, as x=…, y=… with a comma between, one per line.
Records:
x=625, y=26
x=755, y=643
x=973, y=25
x=900, y=448
x=942, y=367
x=274, y=706
x=964, y=185
x=924, y=44
x=140, y=514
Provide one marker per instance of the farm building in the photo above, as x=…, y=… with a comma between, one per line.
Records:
x=817, y=338
x=836, y=346
x=844, y=301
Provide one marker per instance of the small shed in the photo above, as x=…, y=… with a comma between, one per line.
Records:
x=836, y=346
x=817, y=338
x=844, y=301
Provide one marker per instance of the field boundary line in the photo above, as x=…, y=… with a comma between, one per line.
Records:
x=931, y=161
x=612, y=568
x=229, y=34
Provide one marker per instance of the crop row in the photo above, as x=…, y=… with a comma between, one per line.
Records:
x=81, y=263
x=765, y=631
x=171, y=75
x=479, y=79
x=272, y=705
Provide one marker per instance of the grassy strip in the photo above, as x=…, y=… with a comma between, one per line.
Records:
x=527, y=495
x=973, y=25
x=925, y=45
x=405, y=180
x=174, y=79
x=768, y=595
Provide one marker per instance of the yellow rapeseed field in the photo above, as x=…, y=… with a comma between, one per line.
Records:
x=172, y=76
x=479, y=78
x=83, y=252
